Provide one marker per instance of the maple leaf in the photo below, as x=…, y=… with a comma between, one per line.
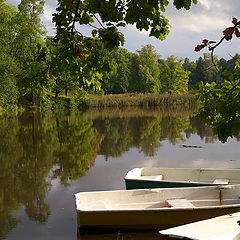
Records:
x=199, y=47
x=205, y=41
x=237, y=32
x=228, y=32
x=234, y=21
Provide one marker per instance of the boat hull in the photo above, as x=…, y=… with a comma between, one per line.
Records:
x=141, y=184
x=147, y=220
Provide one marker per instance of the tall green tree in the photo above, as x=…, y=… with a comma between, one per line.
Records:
x=198, y=74
x=174, y=78
x=229, y=64
x=148, y=70
x=8, y=65
x=117, y=81
x=29, y=44
x=207, y=70
x=189, y=66
x=211, y=73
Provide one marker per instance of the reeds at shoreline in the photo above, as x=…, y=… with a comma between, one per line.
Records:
x=142, y=100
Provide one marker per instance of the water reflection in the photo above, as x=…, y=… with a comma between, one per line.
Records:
x=37, y=148
x=118, y=235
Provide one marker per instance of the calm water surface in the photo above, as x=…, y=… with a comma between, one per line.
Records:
x=46, y=158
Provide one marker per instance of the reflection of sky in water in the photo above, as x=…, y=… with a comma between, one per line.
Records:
x=109, y=174
x=216, y=155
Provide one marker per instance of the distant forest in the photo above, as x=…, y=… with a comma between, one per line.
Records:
x=34, y=70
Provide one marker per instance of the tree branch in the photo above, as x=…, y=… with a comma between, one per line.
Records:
x=75, y=16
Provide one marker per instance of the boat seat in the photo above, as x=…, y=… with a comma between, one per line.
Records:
x=221, y=181
x=152, y=177
x=180, y=203
x=97, y=205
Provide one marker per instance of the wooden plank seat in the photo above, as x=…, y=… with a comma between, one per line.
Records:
x=152, y=177
x=180, y=203
x=221, y=181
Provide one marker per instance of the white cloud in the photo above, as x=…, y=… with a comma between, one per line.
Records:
x=48, y=14
x=209, y=4
x=198, y=23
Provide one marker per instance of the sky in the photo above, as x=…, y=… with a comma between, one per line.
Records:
x=206, y=20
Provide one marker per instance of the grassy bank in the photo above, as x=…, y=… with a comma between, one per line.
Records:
x=142, y=100
x=171, y=101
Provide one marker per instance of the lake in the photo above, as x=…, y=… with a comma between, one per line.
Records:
x=45, y=158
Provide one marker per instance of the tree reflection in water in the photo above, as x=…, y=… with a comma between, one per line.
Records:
x=37, y=148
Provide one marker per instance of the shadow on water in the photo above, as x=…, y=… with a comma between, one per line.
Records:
x=126, y=235
x=119, y=235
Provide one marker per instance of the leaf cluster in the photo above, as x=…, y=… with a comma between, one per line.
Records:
x=106, y=16
x=221, y=104
x=227, y=35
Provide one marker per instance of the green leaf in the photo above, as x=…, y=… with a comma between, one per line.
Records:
x=94, y=32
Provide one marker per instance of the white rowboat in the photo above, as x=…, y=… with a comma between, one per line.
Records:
x=139, y=178
x=154, y=208
x=220, y=228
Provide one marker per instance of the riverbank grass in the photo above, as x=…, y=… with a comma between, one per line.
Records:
x=144, y=100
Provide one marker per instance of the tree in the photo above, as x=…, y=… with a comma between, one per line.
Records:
x=230, y=64
x=211, y=74
x=173, y=77
x=8, y=65
x=29, y=45
x=117, y=81
x=189, y=67
x=198, y=74
x=105, y=17
x=148, y=71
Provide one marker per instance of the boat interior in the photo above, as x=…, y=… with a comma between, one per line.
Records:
x=170, y=203
x=160, y=198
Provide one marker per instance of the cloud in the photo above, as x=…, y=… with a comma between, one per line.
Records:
x=48, y=14
x=198, y=22
x=14, y=2
x=49, y=9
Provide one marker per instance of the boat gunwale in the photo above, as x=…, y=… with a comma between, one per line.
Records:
x=159, y=189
